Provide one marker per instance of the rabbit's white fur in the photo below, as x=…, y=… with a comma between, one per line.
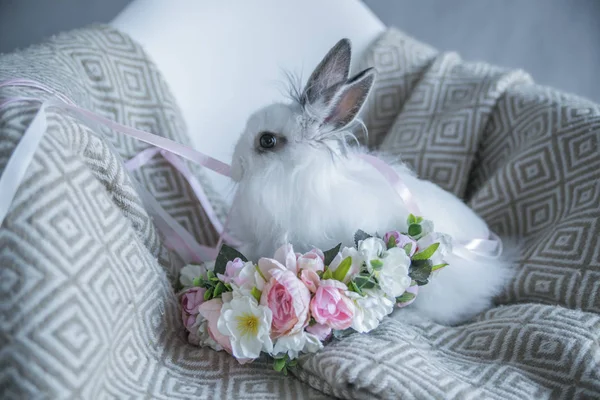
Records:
x=315, y=191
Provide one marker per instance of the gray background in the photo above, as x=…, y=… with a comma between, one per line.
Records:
x=557, y=41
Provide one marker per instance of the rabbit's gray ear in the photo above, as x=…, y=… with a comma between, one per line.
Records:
x=333, y=69
x=345, y=105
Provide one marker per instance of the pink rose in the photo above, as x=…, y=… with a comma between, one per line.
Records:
x=330, y=305
x=232, y=270
x=401, y=241
x=190, y=301
x=265, y=265
x=289, y=300
x=322, y=332
x=286, y=256
x=310, y=279
x=284, y=259
x=313, y=260
x=211, y=311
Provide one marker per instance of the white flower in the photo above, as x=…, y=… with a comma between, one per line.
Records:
x=371, y=248
x=313, y=344
x=247, y=278
x=393, y=275
x=357, y=262
x=369, y=309
x=248, y=325
x=189, y=273
x=442, y=251
x=294, y=344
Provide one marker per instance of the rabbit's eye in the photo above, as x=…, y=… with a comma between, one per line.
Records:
x=267, y=141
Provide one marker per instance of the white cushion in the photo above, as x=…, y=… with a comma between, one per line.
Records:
x=224, y=59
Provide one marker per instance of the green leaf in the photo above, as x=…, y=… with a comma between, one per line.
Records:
x=360, y=235
x=406, y=296
x=427, y=253
x=422, y=283
x=256, y=293
x=419, y=220
x=408, y=248
x=391, y=242
x=439, y=266
x=327, y=274
x=352, y=287
x=411, y=219
x=419, y=263
x=220, y=288
x=364, y=282
x=420, y=270
x=208, y=294
x=226, y=254
x=376, y=264
x=279, y=364
x=331, y=253
x=342, y=270
x=197, y=281
x=414, y=229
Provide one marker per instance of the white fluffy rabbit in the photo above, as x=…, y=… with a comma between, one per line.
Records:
x=298, y=181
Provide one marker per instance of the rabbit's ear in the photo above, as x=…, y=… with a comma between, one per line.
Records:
x=334, y=68
x=345, y=105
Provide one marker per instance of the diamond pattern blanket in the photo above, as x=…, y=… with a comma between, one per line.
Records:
x=87, y=308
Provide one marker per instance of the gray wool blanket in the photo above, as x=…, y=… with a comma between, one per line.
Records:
x=87, y=307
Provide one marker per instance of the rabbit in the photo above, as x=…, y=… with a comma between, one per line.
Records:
x=299, y=181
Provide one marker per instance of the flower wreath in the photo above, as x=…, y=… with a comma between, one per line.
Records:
x=293, y=303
